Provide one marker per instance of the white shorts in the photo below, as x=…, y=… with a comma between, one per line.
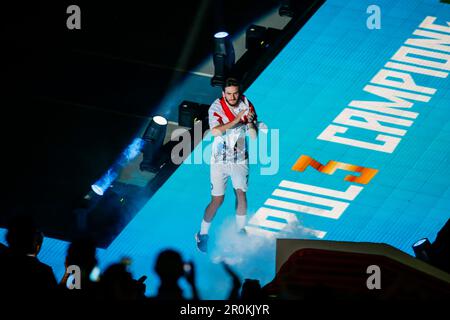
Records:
x=220, y=173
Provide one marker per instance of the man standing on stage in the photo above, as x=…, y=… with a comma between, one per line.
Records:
x=230, y=118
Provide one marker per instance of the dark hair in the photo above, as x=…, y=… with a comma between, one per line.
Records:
x=82, y=252
x=251, y=290
x=169, y=264
x=23, y=235
x=231, y=82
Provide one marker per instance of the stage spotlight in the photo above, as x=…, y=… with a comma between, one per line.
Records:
x=153, y=140
x=422, y=249
x=223, y=58
x=100, y=186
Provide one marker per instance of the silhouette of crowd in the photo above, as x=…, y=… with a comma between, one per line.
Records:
x=23, y=276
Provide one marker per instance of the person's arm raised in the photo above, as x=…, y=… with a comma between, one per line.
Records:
x=221, y=129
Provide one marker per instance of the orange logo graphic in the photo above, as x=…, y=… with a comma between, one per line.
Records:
x=366, y=174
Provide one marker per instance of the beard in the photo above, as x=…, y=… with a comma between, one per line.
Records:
x=233, y=104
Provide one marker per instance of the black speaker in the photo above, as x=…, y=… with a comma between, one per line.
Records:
x=255, y=37
x=187, y=114
x=190, y=112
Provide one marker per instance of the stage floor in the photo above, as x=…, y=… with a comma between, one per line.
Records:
x=317, y=84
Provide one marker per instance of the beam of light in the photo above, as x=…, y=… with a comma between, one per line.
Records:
x=132, y=151
x=129, y=154
x=182, y=63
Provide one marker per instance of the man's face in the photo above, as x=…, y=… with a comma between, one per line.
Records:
x=231, y=95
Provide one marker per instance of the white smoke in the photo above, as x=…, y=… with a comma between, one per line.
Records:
x=252, y=256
